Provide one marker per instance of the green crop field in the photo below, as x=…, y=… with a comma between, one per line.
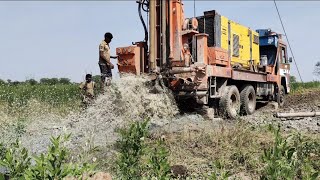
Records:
x=58, y=98
x=300, y=87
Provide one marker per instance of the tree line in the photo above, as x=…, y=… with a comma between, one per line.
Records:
x=46, y=81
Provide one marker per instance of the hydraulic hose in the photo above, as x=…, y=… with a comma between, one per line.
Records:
x=143, y=4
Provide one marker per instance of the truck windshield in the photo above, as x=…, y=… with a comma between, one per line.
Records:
x=270, y=52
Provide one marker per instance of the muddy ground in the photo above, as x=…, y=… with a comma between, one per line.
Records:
x=307, y=101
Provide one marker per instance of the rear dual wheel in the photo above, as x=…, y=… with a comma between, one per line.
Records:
x=229, y=103
x=248, y=100
x=232, y=102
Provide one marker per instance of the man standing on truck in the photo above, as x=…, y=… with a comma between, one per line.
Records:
x=104, y=61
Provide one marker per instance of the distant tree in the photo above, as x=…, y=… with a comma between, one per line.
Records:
x=44, y=80
x=32, y=82
x=16, y=83
x=54, y=81
x=64, y=81
x=49, y=81
x=293, y=79
x=9, y=81
x=2, y=82
x=317, y=69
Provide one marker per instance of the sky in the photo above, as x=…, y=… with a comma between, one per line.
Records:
x=61, y=39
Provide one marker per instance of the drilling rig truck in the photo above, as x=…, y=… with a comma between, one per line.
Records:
x=208, y=60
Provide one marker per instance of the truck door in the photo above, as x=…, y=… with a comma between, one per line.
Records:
x=284, y=68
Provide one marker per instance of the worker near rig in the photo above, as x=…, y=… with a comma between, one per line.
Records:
x=104, y=61
x=87, y=90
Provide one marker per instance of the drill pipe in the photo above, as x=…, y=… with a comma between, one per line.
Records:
x=298, y=114
x=180, y=71
x=152, y=21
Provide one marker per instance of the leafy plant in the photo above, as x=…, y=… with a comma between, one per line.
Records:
x=52, y=165
x=16, y=160
x=131, y=147
x=289, y=158
x=139, y=157
x=219, y=173
x=20, y=127
x=158, y=161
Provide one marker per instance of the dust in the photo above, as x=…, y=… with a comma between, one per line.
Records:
x=128, y=99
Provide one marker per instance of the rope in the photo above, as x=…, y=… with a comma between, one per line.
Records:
x=194, y=8
x=294, y=60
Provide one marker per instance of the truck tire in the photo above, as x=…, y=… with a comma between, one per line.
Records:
x=229, y=104
x=248, y=100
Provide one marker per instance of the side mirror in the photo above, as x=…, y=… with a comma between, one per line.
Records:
x=290, y=59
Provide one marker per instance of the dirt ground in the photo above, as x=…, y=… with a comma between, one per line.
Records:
x=195, y=141
x=307, y=101
x=265, y=114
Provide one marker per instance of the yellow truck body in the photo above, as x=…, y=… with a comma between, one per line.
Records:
x=244, y=43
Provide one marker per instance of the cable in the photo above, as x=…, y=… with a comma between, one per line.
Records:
x=194, y=8
x=287, y=39
x=145, y=5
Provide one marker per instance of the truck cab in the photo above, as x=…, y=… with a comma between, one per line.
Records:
x=273, y=53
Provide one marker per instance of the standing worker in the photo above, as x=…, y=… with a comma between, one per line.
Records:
x=104, y=61
x=87, y=90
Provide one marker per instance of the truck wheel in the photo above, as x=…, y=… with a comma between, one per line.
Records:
x=229, y=104
x=248, y=100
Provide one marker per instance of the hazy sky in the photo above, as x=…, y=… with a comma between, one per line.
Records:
x=60, y=39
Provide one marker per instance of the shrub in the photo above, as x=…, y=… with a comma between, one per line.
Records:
x=52, y=165
x=219, y=171
x=158, y=164
x=137, y=158
x=289, y=158
x=131, y=147
x=16, y=160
